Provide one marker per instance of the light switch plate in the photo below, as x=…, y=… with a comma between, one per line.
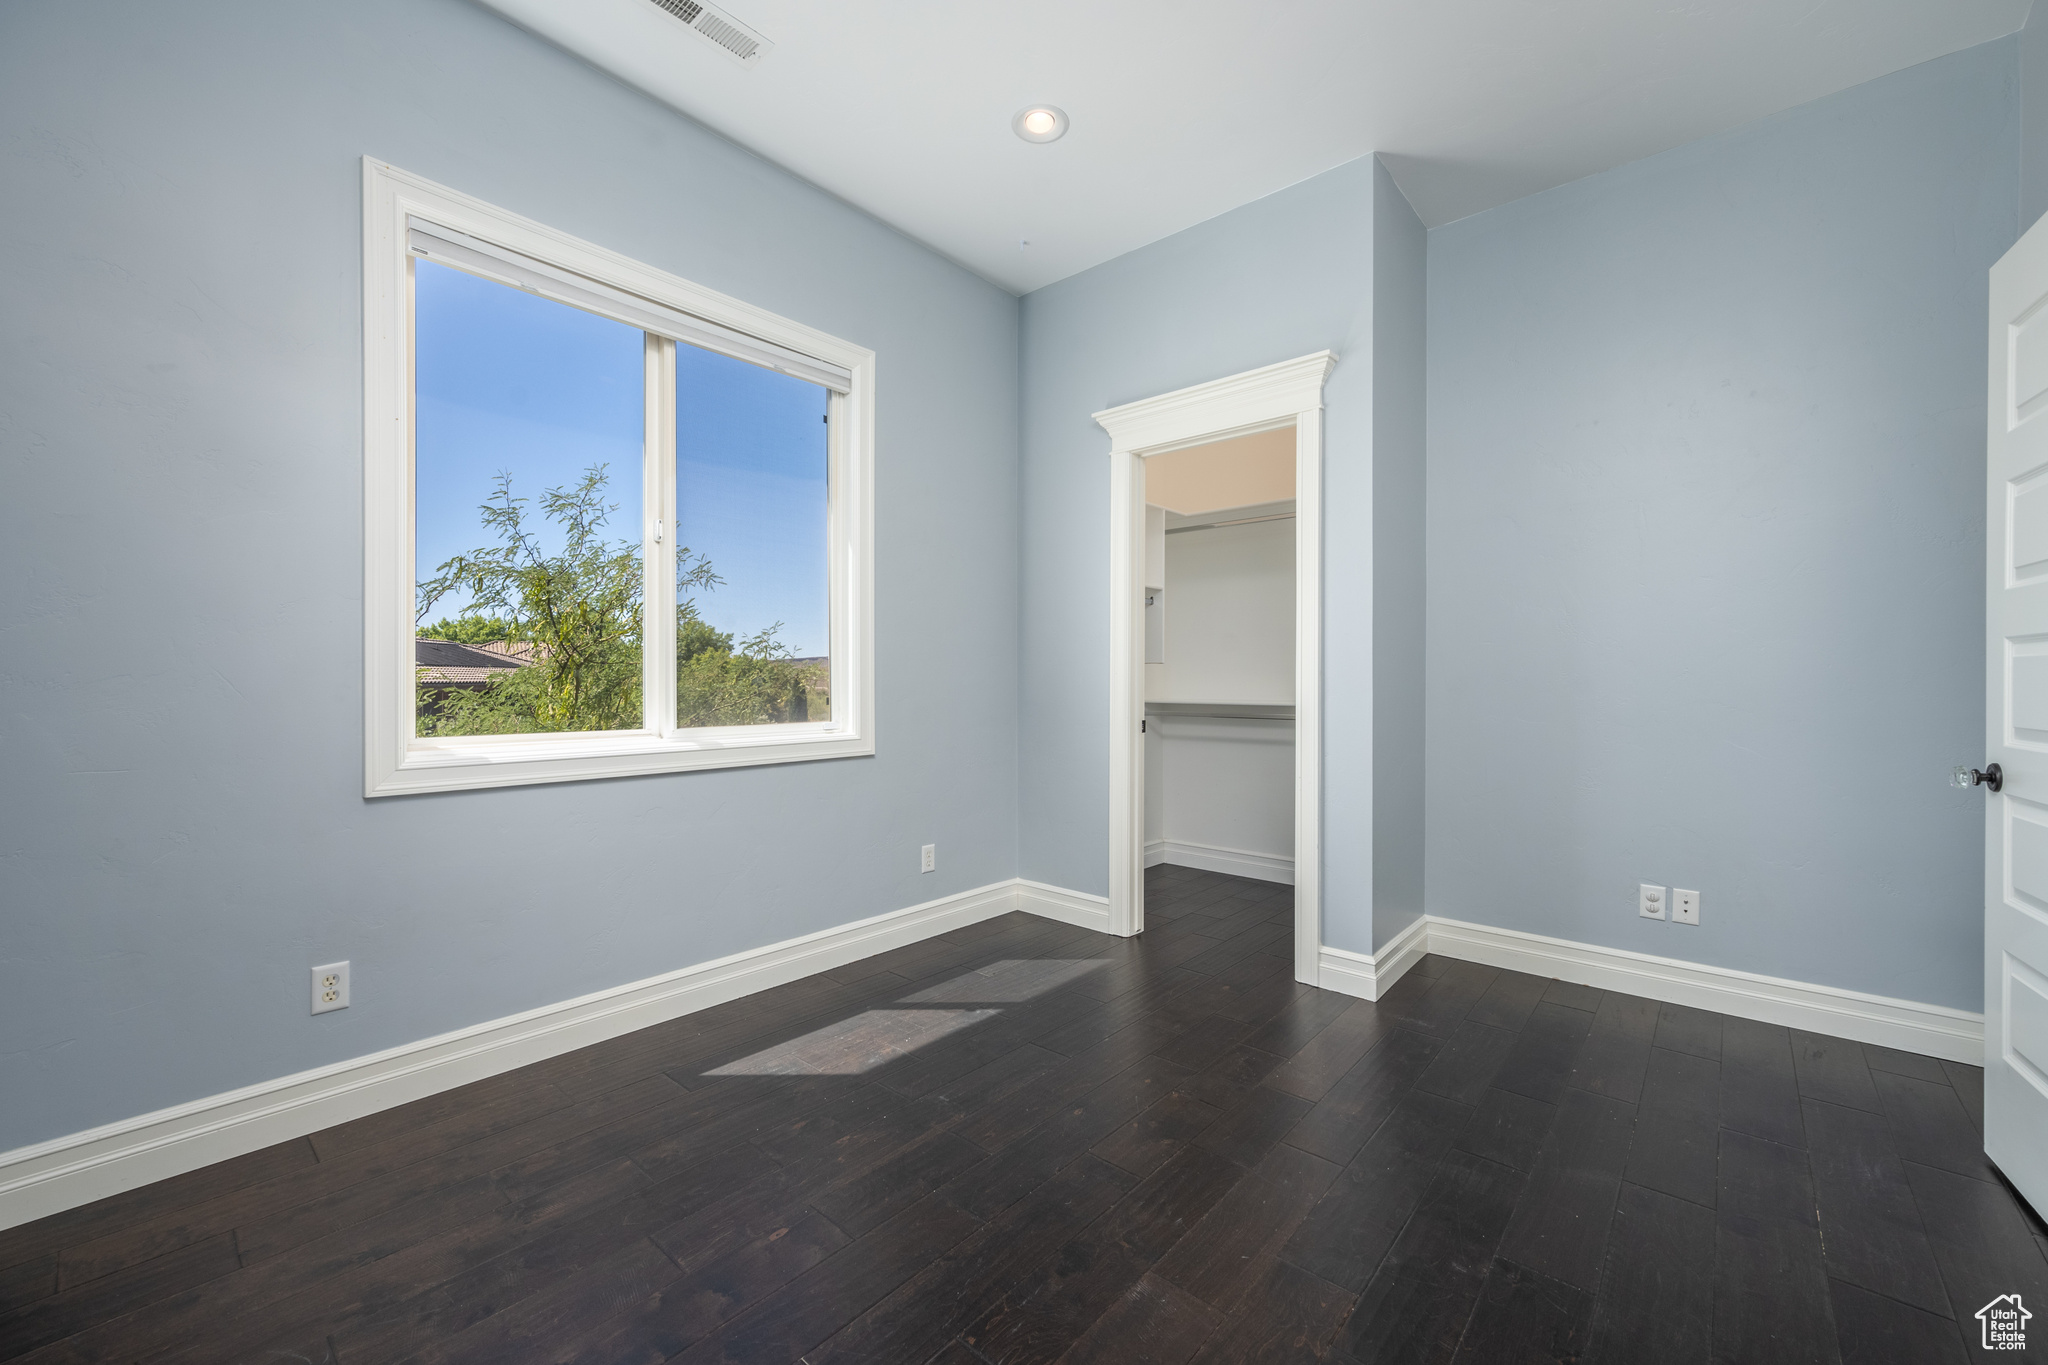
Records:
x=1685, y=907
x=1650, y=901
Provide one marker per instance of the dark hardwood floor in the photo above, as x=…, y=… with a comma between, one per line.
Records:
x=1023, y=1142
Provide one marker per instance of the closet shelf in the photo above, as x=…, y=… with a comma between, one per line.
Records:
x=1223, y=710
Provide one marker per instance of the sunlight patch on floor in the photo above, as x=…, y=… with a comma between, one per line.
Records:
x=1009, y=981
x=875, y=1038
x=857, y=1045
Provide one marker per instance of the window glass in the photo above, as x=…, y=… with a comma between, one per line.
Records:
x=753, y=629
x=528, y=427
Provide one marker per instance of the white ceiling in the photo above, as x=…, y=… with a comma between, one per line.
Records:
x=1183, y=109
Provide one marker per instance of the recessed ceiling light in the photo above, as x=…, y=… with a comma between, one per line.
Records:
x=1040, y=123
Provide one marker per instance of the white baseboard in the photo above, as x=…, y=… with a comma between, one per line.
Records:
x=1068, y=907
x=1209, y=858
x=1368, y=975
x=49, y=1177
x=1934, y=1030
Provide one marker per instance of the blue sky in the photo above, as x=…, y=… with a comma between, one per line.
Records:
x=750, y=493
x=510, y=382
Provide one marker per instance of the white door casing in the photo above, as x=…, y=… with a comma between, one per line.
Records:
x=1287, y=394
x=2016, y=722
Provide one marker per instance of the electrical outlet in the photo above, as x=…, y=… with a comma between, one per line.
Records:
x=1650, y=901
x=929, y=862
x=1685, y=907
x=330, y=987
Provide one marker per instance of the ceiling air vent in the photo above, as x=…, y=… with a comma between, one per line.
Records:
x=734, y=38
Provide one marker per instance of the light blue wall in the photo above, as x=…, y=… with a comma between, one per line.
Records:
x=1282, y=277
x=1706, y=540
x=182, y=831
x=1399, y=449
x=2033, y=65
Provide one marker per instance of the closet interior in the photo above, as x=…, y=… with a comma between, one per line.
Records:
x=1219, y=656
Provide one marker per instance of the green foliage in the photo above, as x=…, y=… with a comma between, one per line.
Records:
x=695, y=638
x=581, y=609
x=756, y=685
x=469, y=630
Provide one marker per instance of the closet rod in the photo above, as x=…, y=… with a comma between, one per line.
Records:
x=1168, y=710
x=1241, y=521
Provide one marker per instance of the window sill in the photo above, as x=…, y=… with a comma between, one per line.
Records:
x=464, y=764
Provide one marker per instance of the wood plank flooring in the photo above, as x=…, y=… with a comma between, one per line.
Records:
x=1022, y=1143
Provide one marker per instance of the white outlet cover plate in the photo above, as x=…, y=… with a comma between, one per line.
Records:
x=338, y=971
x=1685, y=907
x=1650, y=901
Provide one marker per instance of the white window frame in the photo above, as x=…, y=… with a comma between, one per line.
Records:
x=396, y=762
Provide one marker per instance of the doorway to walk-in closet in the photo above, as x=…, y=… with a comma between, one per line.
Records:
x=1215, y=623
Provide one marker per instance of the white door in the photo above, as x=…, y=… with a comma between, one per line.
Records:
x=2016, y=724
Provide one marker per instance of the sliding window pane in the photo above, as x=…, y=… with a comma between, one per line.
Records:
x=754, y=620
x=529, y=418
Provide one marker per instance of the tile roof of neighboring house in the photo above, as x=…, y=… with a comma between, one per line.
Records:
x=445, y=661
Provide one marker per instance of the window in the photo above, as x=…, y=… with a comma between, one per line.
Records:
x=615, y=523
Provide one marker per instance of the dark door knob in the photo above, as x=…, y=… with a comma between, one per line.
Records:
x=1992, y=776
